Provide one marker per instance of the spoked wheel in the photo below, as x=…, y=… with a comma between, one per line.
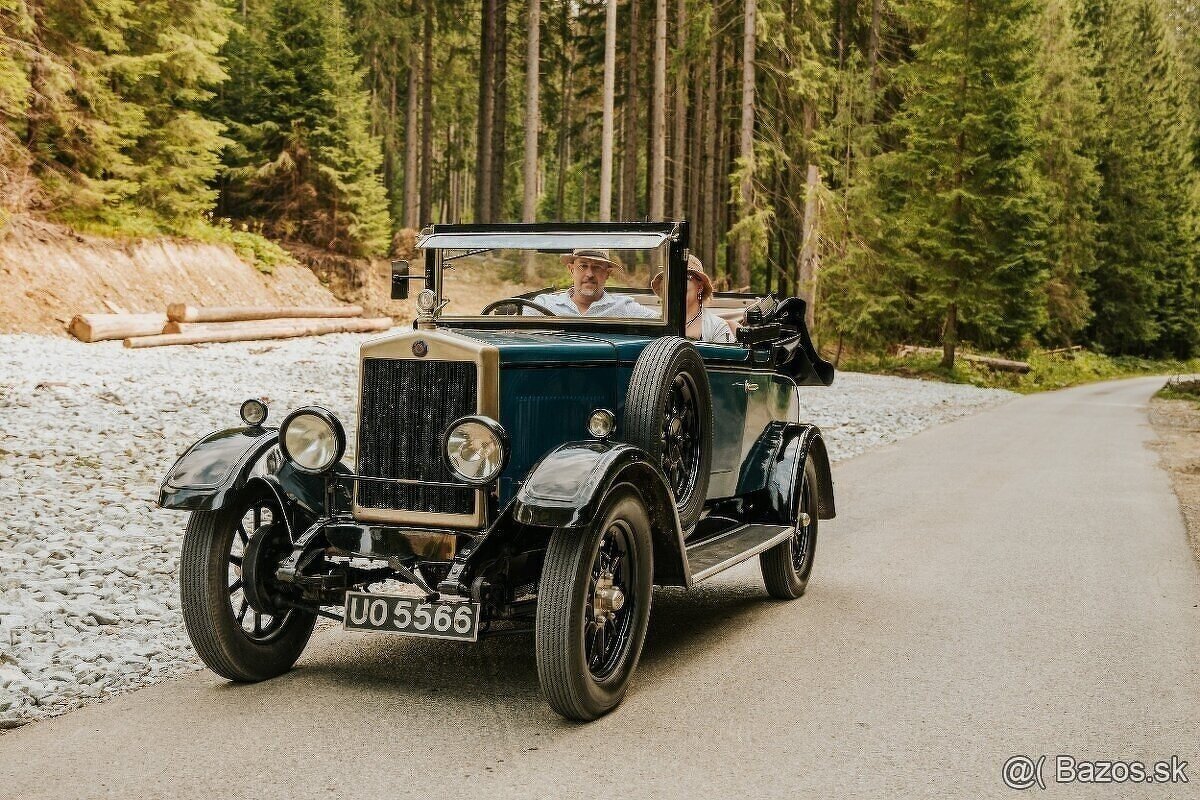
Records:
x=787, y=566
x=593, y=608
x=226, y=588
x=681, y=437
x=668, y=413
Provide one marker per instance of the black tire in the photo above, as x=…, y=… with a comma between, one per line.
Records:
x=666, y=371
x=582, y=672
x=215, y=609
x=787, y=565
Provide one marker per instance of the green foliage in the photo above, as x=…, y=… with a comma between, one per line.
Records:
x=1068, y=122
x=1147, y=282
x=1048, y=371
x=304, y=163
x=964, y=203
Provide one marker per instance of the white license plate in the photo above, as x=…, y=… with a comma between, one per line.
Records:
x=411, y=616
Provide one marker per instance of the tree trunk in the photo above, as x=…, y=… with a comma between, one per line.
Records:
x=101, y=327
x=564, y=119
x=950, y=335
x=712, y=128
x=658, y=116
x=500, y=118
x=487, y=111
x=808, y=248
x=747, y=139
x=873, y=51
x=255, y=331
x=533, y=118
x=427, y=118
x=695, y=164
x=606, y=126
x=629, y=154
x=411, y=140
x=678, y=165
x=181, y=312
x=533, y=124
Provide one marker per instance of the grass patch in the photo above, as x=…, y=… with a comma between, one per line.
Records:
x=1181, y=388
x=1047, y=371
x=133, y=224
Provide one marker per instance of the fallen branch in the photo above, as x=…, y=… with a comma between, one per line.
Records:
x=181, y=312
x=99, y=327
x=1002, y=364
x=250, y=333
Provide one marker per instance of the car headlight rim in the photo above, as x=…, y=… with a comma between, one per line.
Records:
x=334, y=449
x=497, y=462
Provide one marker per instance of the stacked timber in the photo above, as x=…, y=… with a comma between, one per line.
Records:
x=186, y=324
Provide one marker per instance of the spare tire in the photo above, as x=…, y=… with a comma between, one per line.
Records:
x=668, y=413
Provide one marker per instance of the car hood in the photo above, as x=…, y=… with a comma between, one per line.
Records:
x=547, y=348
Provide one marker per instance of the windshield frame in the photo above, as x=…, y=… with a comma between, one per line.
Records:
x=567, y=236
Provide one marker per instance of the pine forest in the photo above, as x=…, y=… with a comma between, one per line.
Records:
x=1006, y=173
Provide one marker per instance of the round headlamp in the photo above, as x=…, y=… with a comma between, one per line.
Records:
x=254, y=412
x=426, y=301
x=476, y=449
x=312, y=439
x=601, y=423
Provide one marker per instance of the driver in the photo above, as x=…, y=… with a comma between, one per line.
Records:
x=589, y=269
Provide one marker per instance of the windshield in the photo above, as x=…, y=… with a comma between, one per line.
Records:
x=581, y=283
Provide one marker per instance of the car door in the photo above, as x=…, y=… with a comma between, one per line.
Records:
x=728, y=373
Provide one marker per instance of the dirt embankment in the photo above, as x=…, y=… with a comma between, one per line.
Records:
x=1177, y=423
x=48, y=273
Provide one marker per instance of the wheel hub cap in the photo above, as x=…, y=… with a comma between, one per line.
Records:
x=609, y=599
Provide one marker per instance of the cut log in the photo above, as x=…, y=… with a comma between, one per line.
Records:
x=195, y=328
x=181, y=312
x=250, y=333
x=1001, y=364
x=99, y=327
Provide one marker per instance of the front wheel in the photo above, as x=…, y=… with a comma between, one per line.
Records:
x=787, y=565
x=231, y=632
x=594, y=607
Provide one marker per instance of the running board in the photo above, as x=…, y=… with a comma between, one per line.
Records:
x=718, y=554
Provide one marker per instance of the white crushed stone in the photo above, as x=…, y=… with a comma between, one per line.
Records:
x=89, y=603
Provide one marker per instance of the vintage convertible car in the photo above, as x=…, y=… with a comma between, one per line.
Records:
x=514, y=470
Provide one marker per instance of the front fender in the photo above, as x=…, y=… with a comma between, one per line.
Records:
x=220, y=465
x=565, y=490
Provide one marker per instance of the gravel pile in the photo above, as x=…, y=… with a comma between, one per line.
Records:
x=88, y=593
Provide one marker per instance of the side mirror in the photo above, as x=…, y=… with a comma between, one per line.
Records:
x=400, y=280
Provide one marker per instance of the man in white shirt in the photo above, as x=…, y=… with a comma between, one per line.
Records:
x=589, y=270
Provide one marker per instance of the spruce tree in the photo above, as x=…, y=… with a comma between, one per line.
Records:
x=177, y=155
x=1146, y=291
x=965, y=199
x=348, y=157
x=304, y=164
x=1068, y=124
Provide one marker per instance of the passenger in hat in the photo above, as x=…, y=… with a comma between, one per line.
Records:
x=590, y=269
x=702, y=324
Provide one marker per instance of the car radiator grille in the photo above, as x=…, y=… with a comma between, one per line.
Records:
x=406, y=408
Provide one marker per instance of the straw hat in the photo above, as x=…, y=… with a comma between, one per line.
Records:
x=590, y=254
x=694, y=268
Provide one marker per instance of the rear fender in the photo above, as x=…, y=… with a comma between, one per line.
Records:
x=219, y=466
x=565, y=490
x=771, y=475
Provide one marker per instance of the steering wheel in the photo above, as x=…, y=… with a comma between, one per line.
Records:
x=519, y=301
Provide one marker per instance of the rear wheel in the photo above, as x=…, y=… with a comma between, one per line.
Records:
x=787, y=565
x=593, y=608
x=233, y=633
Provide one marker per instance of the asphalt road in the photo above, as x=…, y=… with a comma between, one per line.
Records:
x=1018, y=582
